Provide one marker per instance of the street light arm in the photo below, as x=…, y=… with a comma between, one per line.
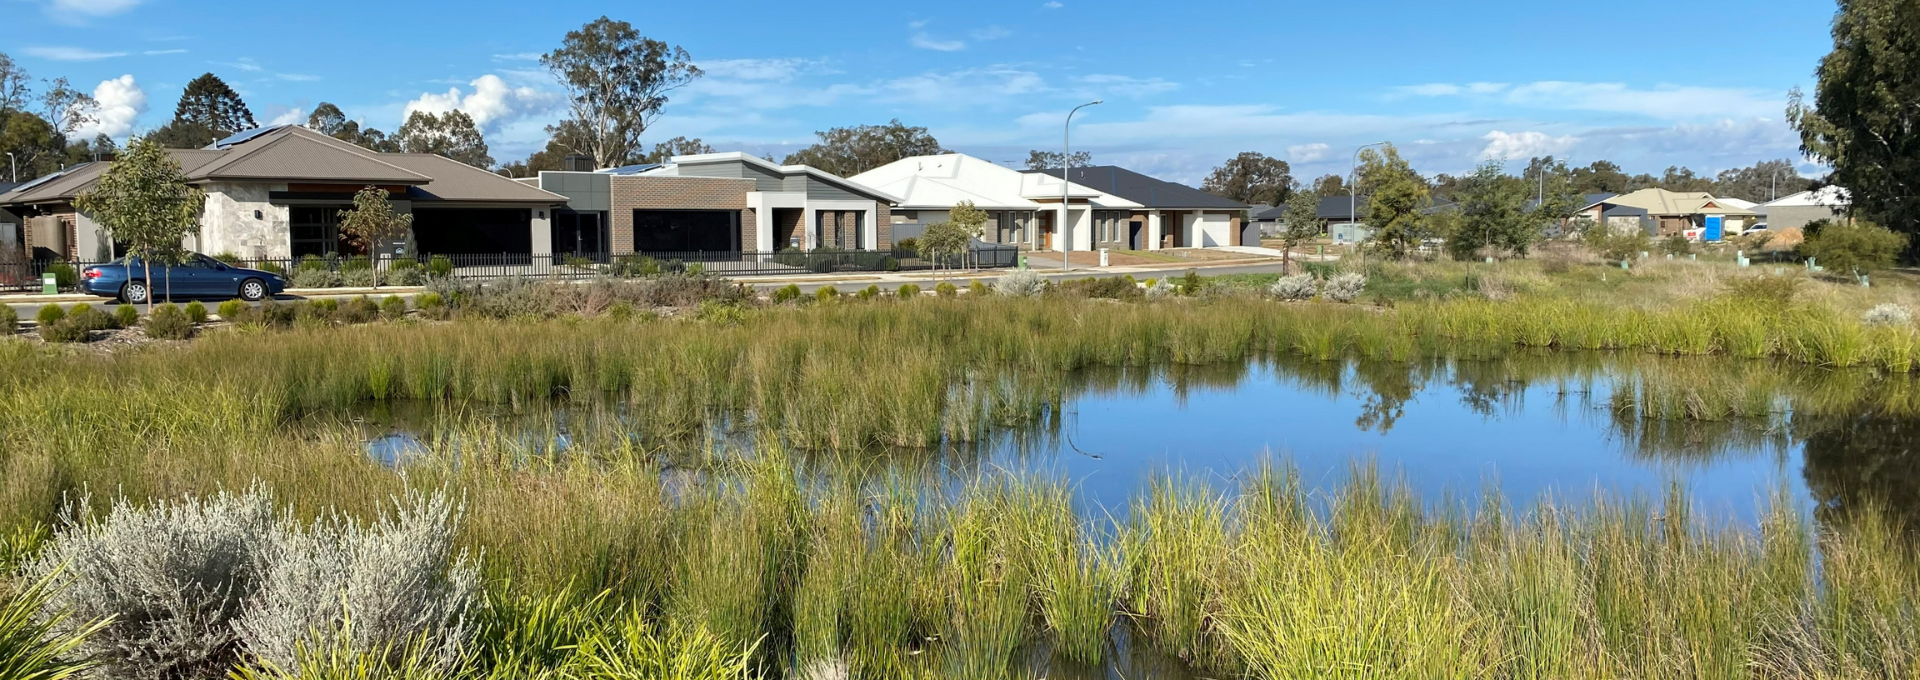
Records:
x=1066, y=164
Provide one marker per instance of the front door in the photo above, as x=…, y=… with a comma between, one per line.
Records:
x=1134, y=230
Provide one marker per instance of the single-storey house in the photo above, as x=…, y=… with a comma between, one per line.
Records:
x=718, y=202
x=276, y=193
x=1171, y=215
x=1797, y=210
x=1022, y=207
x=1670, y=213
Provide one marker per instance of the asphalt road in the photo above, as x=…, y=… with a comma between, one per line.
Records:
x=26, y=310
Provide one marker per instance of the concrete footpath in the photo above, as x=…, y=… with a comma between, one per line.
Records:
x=25, y=304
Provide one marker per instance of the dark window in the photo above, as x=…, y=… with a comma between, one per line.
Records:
x=678, y=231
x=315, y=229
x=473, y=231
x=578, y=233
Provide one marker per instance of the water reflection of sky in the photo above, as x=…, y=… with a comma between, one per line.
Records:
x=1538, y=442
x=1449, y=430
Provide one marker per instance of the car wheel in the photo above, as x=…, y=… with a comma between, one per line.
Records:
x=253, y=290
x=135, y=292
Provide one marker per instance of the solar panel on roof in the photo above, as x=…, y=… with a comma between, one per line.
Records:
x=44, y=179
x=630, y=169
x=243, y=137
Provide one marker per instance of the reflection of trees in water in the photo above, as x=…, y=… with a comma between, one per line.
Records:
x=1858, y=461
x=1856, y=425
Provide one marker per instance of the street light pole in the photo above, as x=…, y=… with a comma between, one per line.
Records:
x=15, y=166
x=1066, y=164
x=1353, y=183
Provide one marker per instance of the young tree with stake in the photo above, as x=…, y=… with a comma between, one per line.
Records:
x=145, y=204
x=372, y=222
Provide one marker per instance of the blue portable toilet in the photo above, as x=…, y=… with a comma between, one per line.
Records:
x=1712, y=232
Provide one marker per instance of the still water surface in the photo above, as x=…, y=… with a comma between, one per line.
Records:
x=1532, y=429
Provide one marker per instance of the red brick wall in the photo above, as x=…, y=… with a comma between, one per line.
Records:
x=677, y=193
x=883, y=223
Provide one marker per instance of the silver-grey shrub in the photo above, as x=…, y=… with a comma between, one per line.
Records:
x=1159, y=290
x=1344, y=287
x=1295, y=287
x=174, y=577
x=1888, y=314
x=394, y=587
x=1021, y=283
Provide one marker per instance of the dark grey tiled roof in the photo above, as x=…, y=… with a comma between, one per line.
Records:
x=1147, y=191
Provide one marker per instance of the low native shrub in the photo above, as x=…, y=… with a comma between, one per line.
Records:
x=64, y=330
x=1345, y=287
x=978, y=289
x=359, y=309
x=198, y=585
x=1294, y=287
x=9, y=320
x=268, y=314
x=868, y=293
x=440, y=266
x=231, y=309
x=196, y=311
x=907, y=291
x=1159, y=289
x=393, y=307
x=785, y=294
x=826, y=294
x=946, y=290
x=367, y=588
x=167, y=322
x=85, y=317
x=314, y=278
x=126, y=316
x=1021, y=283
x=1888, y=314
x=1191, y=284
x=359, y=278
x=1107, y=288
x=1676, y=245
x=49, y=314
x=174, y=577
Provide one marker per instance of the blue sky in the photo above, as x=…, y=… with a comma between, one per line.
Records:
x=1187, y=84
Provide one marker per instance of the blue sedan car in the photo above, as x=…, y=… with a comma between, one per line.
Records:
x=198, y=276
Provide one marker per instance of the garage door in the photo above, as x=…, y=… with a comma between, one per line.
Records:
x=473, y=231
x=682, y=231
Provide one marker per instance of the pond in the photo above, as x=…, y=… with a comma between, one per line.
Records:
x=1566, y=427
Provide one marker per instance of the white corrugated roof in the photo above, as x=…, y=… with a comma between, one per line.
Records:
x=1825, y=197
x=941, y=181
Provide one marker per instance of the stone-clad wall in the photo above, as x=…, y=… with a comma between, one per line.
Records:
x=632, y=193
x=229, y=225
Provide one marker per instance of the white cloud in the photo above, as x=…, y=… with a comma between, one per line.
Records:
x=156, y=53
x=518, y=56
x=296, y=77
x=1665, y=101
x=293, y=116
x=245, y=64
x=1307, y=153
x=1126, y=86
x=993, y=85
x=1516, y=145
x=1052, y=4
x=754, y=69
x=928, y=42
x=73, y=10
x=121, y=102
x=492, y=103
x=990, y=33
x=71, y=53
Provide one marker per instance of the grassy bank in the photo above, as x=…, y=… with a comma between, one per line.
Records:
x=881, y=570
x=809, y=577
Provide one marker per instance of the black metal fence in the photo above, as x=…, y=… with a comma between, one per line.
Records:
x=319, y=272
